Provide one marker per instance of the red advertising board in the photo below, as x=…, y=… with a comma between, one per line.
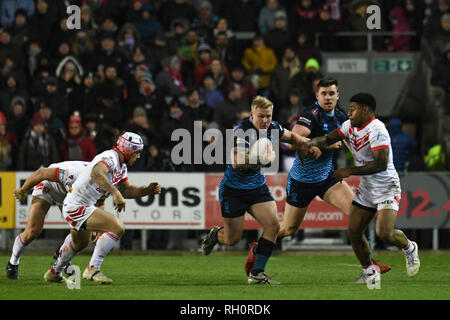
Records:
x=319, y=215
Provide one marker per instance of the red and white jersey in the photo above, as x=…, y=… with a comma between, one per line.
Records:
x=85, y=192
x=66, y=174
x=363, y=141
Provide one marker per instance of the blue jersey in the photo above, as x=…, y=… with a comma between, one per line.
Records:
x=320, y=123
x=249, y=178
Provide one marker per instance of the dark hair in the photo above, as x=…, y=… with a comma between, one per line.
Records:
x=365, y=99
x=327, y=82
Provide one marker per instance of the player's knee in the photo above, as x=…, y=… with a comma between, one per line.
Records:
x=384, y=234
x=272, y=227
x=287, y=230
x=119, y=228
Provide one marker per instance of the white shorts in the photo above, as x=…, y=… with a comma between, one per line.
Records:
x=51, y=192
x=77, y=215
x=389, y=201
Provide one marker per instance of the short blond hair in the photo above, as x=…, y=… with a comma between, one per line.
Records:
x=261, y=102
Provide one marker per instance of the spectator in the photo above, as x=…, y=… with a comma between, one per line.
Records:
x=204, y=55
x=306, y=80
x=157, y=52
x=205, y=21
x=208, y=91
x=17, y=117
x=226, y=50
x=8, y=48
x=403, y=146
x=223, y=26
x=107, y=54
x=357, y=22
x=108, y=108
x=144, y=95
x=248, y=91
x=77, y=145
x=109, y=26
x=303, y=16
x=42, y=22
x=399, y=43
x=113, y=80
x=226, y=113
x=54, y=126
x=284, y=72
x=99, y=132
x=9, y=8
x=128, y=39
x=186, y=52
x=8, y=146
x=440, y=76
x=433, y=24
x=441, y=38
x=173, y=119
x=147, y=24
x=290, y=112
x=327, y=25
x=88, y=23
x=20, y=28
x=278, y=38
x=305, y=48
x=220, y=74
x=175, y=9
x=86, y=96
x=178, y=29
x=82, y=45
x=415, y=15
x=38, y=148
x=11, y=87
x=266, y=18
x=56, y=100
x=261, y=61
x=242, y=15
x=69, y=73
x=169, y=80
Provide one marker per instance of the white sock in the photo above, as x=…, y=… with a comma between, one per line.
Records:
x=18, y=249
x=103, y=246
x=66, y=254
x=369, y=270
x=409, y=248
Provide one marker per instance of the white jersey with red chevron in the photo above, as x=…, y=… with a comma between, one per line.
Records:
x=363, y=141
x=85, y=192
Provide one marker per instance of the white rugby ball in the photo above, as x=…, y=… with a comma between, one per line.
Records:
x=259, y=148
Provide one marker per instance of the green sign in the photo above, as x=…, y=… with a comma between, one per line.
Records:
x=392, y=65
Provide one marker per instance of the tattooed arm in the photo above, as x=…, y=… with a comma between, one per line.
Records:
x=98, y=174
x=130, y=191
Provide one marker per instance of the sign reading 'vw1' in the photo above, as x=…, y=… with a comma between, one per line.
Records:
x=392, y=65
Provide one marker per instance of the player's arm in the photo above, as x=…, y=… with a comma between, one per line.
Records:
x=130, y=191
x=41, y=174
x=241, y=159
x=297, y=138
x=98, y=174
x=323, y=142
x=379, y=163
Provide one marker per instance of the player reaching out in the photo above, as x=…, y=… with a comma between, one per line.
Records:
x=50, y=187
x=105, y=174
x=379, y=187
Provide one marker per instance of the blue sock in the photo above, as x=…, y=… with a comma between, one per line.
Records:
x=263, y=251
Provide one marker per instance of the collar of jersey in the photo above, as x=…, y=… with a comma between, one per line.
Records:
x=115, y=149
x=365, y=125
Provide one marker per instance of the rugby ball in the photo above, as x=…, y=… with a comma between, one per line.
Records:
x=260, y=148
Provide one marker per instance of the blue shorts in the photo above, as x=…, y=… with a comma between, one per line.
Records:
x=300, y=195
x=235, y=202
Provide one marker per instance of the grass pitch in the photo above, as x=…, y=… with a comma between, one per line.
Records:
x=220, y=276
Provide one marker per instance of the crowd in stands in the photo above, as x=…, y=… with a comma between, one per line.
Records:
x=154, y=66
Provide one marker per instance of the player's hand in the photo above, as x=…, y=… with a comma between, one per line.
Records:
x=119, y=201
x=315, y=152
x=20, y=194
x=342, y=173
x=336, y=145
x=303, y=151
x=154, y=188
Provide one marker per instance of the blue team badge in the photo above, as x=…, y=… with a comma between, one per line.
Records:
x=325, y=127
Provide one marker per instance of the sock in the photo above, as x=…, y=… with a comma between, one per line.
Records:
x=263, y=251
x=66, y=254
x=103, y=246
x=215, y=235
x=18, y=249
x=409, y=248
x=369, y=270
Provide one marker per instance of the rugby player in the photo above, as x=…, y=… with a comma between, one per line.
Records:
x=379, y=187
x=106, y=171
x=243, y=188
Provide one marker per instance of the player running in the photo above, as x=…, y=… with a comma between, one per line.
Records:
x=379, y=187
x=315, y=176
x=106, y=171
x=243, y=188
x=50, y=187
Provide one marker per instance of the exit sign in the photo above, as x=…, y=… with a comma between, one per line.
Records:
x=392, y=65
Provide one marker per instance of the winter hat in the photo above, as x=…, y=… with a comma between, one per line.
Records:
x=312, y=63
